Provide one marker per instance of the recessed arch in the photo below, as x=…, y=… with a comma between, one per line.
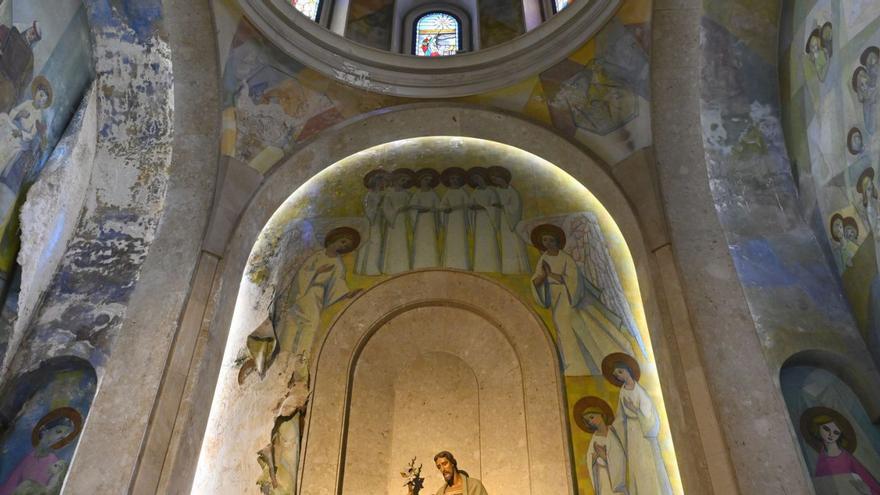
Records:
x=409, y=122
x=334, y=372
x=858, y=379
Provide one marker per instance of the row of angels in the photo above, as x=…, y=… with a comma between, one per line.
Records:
x=463, y=230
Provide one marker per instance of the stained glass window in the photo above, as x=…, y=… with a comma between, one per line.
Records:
x=561, y=4
x=308, y=8
x=437, y=35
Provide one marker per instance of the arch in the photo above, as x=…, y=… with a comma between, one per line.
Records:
x=19, y=389
x=397, y=124
x=816, y=396
x=859, y=380
x=333, y=371
x=402, y=75
x=57, y=394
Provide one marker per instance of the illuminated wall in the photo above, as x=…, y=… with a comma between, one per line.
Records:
x=453, y=204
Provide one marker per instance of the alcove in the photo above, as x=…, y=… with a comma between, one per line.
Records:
x=431, y=361
x=820, y=401
x=281, y=228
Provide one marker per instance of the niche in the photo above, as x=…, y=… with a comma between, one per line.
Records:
x=840, y=445
x=451, y=361
x=42, y=415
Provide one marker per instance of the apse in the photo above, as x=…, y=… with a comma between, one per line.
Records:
x=438, y=294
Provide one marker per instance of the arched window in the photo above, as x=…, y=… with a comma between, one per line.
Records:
x=308, y=8
x=558, y=5
x=437, y=34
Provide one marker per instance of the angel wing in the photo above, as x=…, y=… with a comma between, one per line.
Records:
x=587, y=245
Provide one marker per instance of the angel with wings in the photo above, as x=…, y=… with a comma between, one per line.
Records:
x=302, y=289
x=582, y=289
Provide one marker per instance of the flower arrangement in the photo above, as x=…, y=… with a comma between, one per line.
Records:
x=413, y=476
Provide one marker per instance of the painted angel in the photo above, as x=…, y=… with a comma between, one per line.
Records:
x=575, y=278
x=316, y=281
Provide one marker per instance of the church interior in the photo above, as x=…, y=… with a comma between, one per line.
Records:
x=363, y=247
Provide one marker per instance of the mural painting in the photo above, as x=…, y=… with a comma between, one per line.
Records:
x=598, y=95
x=833, y=79
x=424, y=204
x=841, y=446
x=45, y=68
x=46, y=414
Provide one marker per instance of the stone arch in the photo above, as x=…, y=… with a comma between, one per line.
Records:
x=236, y=238
x=541, y=386
x=856, y=377
x=816, y=385
x=401, y=75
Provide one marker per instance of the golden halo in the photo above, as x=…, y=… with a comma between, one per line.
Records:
x=815, y=417
x=453, y=172
x=591, y=404
x=368, y=178
x=429, y=172
x=405, y=172
x=62, y=412
x=339, y=232
x=612, y=361
x=499, y=171
x=475, y=171
x=547, y=229
x=39, y=83
x=868, y=174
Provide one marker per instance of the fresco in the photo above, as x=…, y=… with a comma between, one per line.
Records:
x=45, y=68
x=423, y=204
x=46, y=412
x=599, y=95
x=369, y=22
x=841, y=446
x=500, y=21
x=831, y=122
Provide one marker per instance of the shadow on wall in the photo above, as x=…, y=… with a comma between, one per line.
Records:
x=41, y=417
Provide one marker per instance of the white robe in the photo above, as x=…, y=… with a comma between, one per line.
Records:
x=514, y=256
x=583, y=334
x=12, y=146
x=639, y=428
x=395, y=258
x=487, y=257
x=310, y=294
x=455, y=225
x=424, y=244
x=608, y=477
x=369, y=255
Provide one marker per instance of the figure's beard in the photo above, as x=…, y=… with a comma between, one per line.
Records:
x=449, y=477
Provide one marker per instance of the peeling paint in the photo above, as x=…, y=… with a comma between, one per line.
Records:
x=84, y=307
